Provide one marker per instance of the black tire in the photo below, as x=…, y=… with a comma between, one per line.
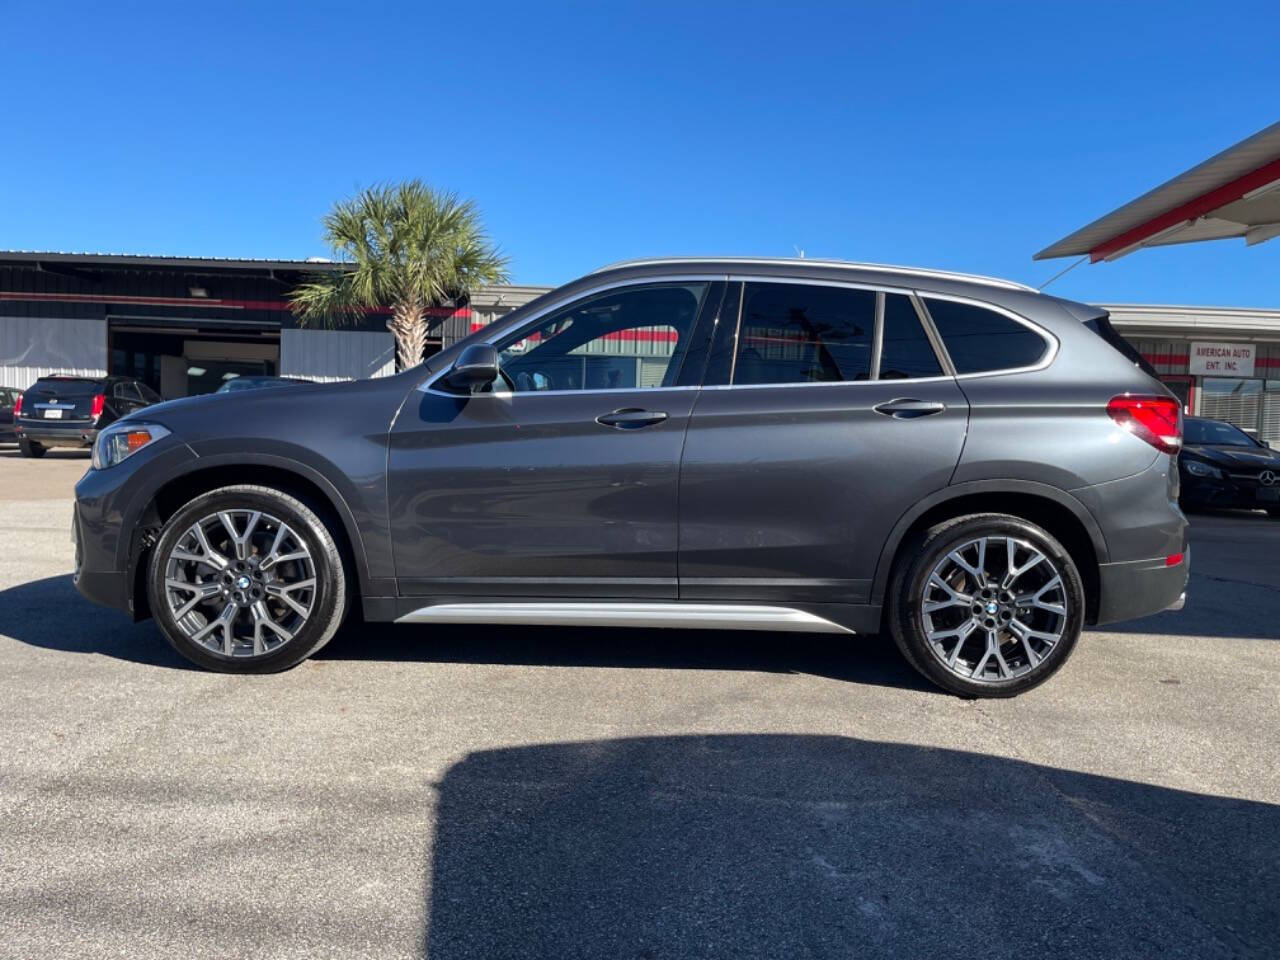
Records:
x=1273, y=513
x=331, y=593
x=30, y=448
x=1029, y=660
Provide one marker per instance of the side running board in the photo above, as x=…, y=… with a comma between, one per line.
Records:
x=697, y=616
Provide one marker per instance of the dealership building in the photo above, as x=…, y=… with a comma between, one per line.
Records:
x=186, y=325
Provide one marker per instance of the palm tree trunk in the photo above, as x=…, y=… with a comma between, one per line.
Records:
x=407, y=324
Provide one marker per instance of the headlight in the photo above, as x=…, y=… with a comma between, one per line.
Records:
x=123, y=439
x=1198, y=469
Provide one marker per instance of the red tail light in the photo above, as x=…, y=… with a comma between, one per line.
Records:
x=1157, y=420
x=96, y=410
x=17, y=407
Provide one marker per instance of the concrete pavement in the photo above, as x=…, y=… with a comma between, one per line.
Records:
x=543, y=793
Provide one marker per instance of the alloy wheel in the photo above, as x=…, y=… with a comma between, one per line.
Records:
x=240, y=583
x=994, y=608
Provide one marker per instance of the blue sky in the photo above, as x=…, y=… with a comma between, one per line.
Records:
x=962, y=136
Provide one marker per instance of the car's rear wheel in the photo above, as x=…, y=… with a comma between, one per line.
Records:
x=987, y=605
x=247, y=579
x=29, y=448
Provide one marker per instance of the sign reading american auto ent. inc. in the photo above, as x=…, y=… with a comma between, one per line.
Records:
x=1222, y=359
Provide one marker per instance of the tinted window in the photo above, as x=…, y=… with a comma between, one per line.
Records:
x=621, y=339
x=1215, y=432
x=149, y=395
x=801, y=333
x=53, y=386
x=1102, y=327
x=905, y=350
x=979, y=339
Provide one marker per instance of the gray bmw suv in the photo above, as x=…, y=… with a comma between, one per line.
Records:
x=974, y=467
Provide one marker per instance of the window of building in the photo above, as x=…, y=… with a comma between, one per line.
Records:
x=634, y=337
x=905, y=350
x=980, y=340
x=804, y=333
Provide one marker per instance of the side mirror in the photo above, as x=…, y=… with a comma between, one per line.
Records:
x=475, y=368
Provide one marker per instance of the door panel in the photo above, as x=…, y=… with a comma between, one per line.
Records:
x=526, y=494
x=563, y=481
x=788, y=492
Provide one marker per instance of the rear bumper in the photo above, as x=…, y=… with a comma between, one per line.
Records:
x=51, y=434
x=1139, y=588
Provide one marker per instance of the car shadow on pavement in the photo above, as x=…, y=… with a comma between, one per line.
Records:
x=854, y=659
x=50, y=613
x=81, y=627
x=776, y=846
x=1215, y=607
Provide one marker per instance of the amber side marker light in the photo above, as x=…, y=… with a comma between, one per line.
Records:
x=137, y=438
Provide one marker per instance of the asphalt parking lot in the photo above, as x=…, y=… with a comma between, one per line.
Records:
x=544, y=793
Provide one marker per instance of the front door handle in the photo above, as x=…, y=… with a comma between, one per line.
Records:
x=906, y=408
x=631, y=418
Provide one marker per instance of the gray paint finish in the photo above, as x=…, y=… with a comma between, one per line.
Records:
x=793, y=495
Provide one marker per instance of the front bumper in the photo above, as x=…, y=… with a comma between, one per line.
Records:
x=1139, y=588
x=110, y=525
x=1228, y=493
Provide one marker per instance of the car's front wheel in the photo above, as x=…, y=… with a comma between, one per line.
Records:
x=987, y=605
x=247, y=579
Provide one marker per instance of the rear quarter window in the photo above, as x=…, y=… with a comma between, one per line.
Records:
x=981, y=340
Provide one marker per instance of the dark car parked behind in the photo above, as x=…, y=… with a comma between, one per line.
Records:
x=1222, y=466
x=8, y=402
x=65, y=411
x=256, y=382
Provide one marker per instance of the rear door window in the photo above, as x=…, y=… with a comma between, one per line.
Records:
x=804, y=333
x=980, y=340
x=905, y=350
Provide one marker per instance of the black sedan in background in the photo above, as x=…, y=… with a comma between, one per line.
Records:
x=1222, y=466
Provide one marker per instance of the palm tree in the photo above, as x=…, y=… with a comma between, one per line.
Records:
x=410, y=248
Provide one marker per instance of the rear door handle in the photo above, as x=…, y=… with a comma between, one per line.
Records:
x=631, y=418
x=906, y=408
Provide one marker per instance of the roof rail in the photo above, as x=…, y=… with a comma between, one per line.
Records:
x=844, y=264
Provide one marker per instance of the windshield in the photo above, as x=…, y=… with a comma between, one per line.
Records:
x=1215, y=433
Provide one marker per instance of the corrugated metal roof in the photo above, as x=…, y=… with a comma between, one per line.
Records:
x=168, y=260
x=1231, y=219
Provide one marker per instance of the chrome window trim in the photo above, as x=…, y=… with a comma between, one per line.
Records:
x=916, y=296
x=877, y=336
x=879, y=289
x=428, y=385
x=935, y=338
x=1047, y=336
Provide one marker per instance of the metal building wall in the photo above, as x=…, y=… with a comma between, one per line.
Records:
x=33, y=347
x=336, y=354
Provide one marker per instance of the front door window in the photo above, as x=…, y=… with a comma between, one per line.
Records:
x=625, y=339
